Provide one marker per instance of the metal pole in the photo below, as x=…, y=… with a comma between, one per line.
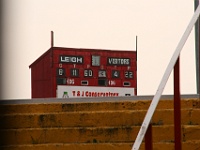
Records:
x=177, y=106
x=136, y=64
x=148, y=138
x=164, y=80
x=52, y=39
x=197, y=48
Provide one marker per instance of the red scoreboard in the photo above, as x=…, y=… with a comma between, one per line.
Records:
x=70, y=72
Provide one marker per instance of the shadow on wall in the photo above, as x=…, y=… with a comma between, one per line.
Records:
x=1, y=47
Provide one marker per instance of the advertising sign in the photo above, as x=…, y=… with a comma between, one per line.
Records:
x=64, y=91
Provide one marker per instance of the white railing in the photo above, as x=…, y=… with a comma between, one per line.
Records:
x=164, y=80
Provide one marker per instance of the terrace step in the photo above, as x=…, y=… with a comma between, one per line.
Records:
x=95, y=125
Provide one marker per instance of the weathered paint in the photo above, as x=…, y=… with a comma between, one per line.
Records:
x=105, y=125
x=101, y=146
x=91, y=119
x=93, y=106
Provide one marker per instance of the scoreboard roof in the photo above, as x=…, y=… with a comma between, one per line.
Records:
x=82, y=50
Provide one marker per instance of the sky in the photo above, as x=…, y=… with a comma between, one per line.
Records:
x=100, y=24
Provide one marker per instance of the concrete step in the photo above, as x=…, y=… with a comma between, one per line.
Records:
x=93, y=106
x=194, y=145
x=126, y=134
x=94, y=125
x=95, y=118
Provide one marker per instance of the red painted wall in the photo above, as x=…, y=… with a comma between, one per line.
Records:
x=44, y=71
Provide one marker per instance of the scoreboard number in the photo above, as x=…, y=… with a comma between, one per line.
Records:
x=88, y=73
x=102, y=74
x=115, y=73
x=74, y=72
x=128, y=74
x=60, y=71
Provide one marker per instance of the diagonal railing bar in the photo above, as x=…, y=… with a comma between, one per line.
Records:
x=164, y=80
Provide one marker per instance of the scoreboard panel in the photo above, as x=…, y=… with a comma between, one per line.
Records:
x=100, y=68
x=87, y=69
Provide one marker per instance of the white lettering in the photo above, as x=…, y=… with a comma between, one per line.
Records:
x=61, y=59
x=79, y=60
x=127, y=61
x=110, y=60
x=71, y=59
x=61, y=72
x=122, y=61
x=70, y=81
x=118, y=61
x=114, y=61
x=67, y=59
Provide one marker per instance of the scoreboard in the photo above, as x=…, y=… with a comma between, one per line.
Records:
x=70, y=72
x=95, y=71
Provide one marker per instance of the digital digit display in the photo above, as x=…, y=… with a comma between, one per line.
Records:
x=60, y=71
x=74, y=72
x=102, y=73
x=115, y=74
x=88, y=73
x=128, y=74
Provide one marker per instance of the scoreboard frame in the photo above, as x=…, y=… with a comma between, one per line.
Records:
x=60, y=66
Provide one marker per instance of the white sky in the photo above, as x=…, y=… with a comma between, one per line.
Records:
x=101, y=24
